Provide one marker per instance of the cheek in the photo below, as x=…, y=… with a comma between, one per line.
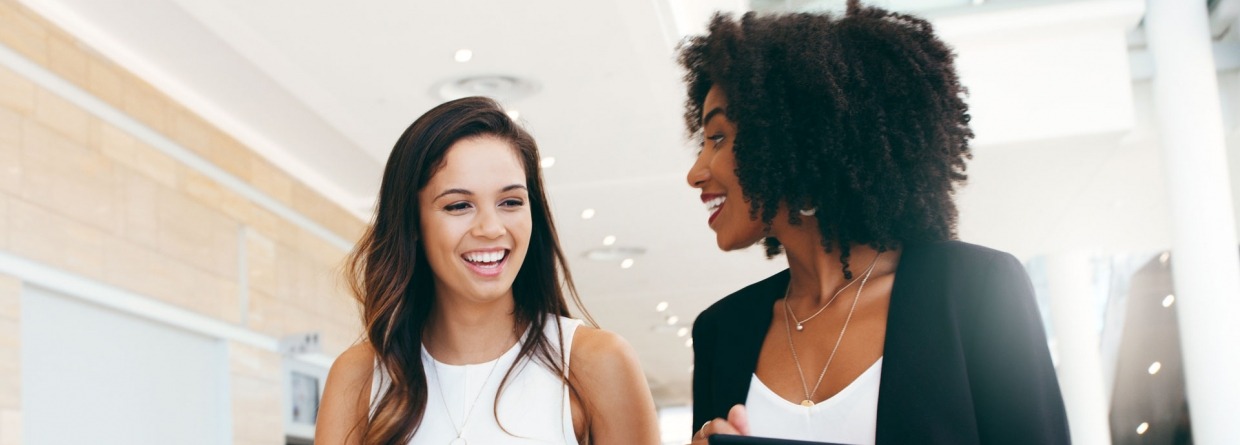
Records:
x=439, y=238
x=520, y=226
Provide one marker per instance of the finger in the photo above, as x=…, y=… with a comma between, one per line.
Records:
x=738, y=417
x=719, y=426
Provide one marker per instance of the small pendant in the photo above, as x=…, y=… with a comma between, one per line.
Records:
x=458, y=441
x=800, y=327
x=807, y=403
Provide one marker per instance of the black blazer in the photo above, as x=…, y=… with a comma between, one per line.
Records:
x=965, y=360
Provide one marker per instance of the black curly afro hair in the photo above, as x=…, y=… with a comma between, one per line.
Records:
x=860, y=116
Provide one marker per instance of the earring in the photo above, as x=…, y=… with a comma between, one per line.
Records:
x=809, y=212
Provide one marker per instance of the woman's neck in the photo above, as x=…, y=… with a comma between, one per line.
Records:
x=816, y=274
x=460, y=331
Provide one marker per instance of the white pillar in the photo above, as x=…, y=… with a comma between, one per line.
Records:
x=1204, y=256
x=1075, y=320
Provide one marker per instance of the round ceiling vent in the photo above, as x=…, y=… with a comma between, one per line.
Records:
x=498, y=87
x=613, y=253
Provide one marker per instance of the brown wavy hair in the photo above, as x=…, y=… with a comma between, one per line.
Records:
x=391, y=278
x=861, y=116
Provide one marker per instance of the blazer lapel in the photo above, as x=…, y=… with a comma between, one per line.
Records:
x=741, y=342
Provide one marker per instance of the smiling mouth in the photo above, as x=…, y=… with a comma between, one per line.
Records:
x=486, y=263
x=714, y=205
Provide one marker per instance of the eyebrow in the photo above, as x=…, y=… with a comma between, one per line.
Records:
x=469, y=193
x=710, y=114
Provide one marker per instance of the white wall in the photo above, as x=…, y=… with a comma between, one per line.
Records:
x=93, y=375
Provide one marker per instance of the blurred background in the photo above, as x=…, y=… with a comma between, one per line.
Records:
x=180, y=180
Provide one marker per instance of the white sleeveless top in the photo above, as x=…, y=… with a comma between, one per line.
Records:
x=534, y=407
x=849, y=417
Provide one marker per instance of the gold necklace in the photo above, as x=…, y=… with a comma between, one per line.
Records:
x=801, y=323
x=809, y=395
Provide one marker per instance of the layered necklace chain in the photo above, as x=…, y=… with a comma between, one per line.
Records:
x=801, y=323
x=460, y=431
x=809, y=394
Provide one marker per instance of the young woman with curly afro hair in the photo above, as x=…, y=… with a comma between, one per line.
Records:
x=839, y=141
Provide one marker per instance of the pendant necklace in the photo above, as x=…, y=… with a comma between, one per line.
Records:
x=809, y=395
x=801, y=323
x=460, y=431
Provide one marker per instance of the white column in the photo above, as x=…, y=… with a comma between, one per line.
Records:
x=1204, y=256
x=1075, y=320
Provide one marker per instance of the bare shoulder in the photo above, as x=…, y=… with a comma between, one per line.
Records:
x=614, y=388
x=594, y=347
x=356, y=362
x=346, y=395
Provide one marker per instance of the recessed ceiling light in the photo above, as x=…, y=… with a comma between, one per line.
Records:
x=689, y=343
x=513, y=114
x=662, y=306
x=683, y=331
x=672, y=320
x=1168, y=300
x=609, y=240
x=463, y=55
x=547, y=162
x=627, y=263
x=690, y=368
x=1164, y=257
x=587, y=213
x=1155, y=367
x=1143, y=427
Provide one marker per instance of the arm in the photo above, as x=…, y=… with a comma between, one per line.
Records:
x=614, y=389
x=345, y=408
x=1015, y=391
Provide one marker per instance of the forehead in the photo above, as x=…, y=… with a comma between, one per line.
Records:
x=714, y=99
x=479, y=163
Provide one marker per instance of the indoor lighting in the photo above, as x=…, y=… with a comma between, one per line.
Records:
x=463, y=55
x=662, y=306
x=627, y=263
x=1169, y=300
x=547, y=162
x=689, y=343
x=513, y=114
x=609, y=240
x=1164, y=257
x=1143, y=427
x=1154, y=367
x=587, y=213
x=672, y=320
x=682, y=332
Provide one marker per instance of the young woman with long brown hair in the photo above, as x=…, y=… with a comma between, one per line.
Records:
x=468, y=338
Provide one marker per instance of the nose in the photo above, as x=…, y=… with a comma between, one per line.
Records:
x=699, y=173
x=488, y=224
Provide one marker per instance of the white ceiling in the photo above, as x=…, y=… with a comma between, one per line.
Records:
x=1064, y=158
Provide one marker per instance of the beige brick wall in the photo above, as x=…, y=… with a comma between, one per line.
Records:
x=80, y=195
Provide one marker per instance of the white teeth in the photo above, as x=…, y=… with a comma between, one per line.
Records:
x=484, y=257
x=714, y=203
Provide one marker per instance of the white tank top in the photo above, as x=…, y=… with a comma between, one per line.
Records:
x=849, y=417
x=534, y=407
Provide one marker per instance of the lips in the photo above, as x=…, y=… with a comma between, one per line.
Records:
x=714, y=204
x=486, y=262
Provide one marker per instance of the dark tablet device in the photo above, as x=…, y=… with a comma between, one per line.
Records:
x=728, y=439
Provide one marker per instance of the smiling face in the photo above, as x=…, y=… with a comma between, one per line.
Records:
x=714, y=173
x=475, y=220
